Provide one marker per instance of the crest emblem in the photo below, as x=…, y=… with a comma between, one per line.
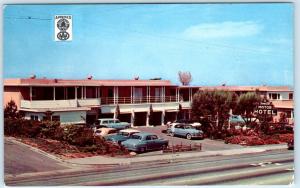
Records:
x=63, y=27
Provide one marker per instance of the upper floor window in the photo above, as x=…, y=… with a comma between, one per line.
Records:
x=291, y=96
x=274, y=96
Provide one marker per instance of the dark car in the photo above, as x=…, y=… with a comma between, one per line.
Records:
x=141, y=142
x=291, y=144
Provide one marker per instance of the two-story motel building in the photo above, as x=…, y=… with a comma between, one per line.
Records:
x=83, y=101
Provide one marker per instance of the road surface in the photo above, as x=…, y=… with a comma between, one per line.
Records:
x=267, y=168
x=19, y=159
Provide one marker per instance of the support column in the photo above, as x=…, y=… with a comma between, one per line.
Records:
x=66, y=93
x=96, y=92
x=117, y=97
x=163, y=113
x=54, y=93
x=132, y=118
x=147, y=119
x=30, y=93
x=76, y=93
x=81, y=92
x=84, y=92
x=114, y=94
x=131, y=96
x=147, y=95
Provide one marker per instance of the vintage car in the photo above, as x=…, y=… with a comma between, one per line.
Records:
x=113, y=123
x=105, y=131
x=141, y=142
x=186, y=130
x=121, y=136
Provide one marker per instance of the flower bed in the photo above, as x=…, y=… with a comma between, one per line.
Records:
x=259, y=139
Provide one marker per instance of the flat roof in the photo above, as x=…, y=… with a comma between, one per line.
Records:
x=83, y=82
x=242, y=88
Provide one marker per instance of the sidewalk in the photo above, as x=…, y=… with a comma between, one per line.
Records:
x=97, y=160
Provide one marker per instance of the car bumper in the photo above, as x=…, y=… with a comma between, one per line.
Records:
x=197, y=136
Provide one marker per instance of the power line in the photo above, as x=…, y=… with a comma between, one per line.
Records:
x=26, y=18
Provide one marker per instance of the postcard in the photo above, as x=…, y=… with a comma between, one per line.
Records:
x=148, y=94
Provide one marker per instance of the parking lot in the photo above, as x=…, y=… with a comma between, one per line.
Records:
x=207, y=144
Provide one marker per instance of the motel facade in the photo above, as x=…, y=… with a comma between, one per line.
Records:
x=84, y=101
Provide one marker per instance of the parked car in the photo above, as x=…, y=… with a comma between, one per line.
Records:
x=105, y=131
x=121, y=136
x=291, y=144
x=236, y=120
x=142, y=142
x=113, y=123
x=186, y=130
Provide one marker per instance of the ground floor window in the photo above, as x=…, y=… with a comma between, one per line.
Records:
x=34, y=117
x=55, y=118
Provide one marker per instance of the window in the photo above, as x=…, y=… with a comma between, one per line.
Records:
x=110, y=92
x=274, y=96
x=154, y=137
x=34, y=117
x=136, y=137
x=33, y=92
x=291, y=96
x=55, y=118
x=148, y=138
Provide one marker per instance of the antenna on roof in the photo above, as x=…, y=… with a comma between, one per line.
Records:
x=90, y=77
x=33, y=76
x=136, y=78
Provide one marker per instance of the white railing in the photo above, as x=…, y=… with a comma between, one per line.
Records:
x=88, y=102
x=73, y=103
x=136, y=100
x=48, y=104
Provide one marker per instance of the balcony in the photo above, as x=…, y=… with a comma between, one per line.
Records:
x=73, y=103
x=137, y=100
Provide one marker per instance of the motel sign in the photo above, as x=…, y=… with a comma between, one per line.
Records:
x=265, y=108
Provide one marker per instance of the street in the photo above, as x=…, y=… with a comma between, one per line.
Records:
x=267, y=168
x=20, y=159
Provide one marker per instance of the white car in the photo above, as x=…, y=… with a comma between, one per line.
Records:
x=105, y=131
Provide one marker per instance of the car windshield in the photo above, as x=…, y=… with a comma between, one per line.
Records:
x=136, y=137
x=123, y=133
x=117, y=121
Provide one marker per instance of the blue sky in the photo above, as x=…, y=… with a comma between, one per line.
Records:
x=235, y=44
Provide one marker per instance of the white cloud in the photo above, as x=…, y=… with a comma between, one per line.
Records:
x=223, y=30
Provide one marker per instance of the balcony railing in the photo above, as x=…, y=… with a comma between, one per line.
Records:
x=136, y=100
x=72, y=103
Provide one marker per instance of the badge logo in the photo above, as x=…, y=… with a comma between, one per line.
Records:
x=63, y=27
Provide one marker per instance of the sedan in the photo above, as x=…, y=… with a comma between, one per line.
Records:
x=142, y=142
x=186, y=130
x=121, y=136
x=105, y=132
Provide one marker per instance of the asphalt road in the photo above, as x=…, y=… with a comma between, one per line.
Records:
x=268, y=168
x=19, y=159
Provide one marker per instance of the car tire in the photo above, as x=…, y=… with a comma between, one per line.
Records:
x=172, y=134
x=163, y=147
x=189, y=136
x=142, y=149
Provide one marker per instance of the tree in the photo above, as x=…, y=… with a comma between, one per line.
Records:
x=11, y=110
x=246, y=105
x=213, y=105
x=185, y=78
